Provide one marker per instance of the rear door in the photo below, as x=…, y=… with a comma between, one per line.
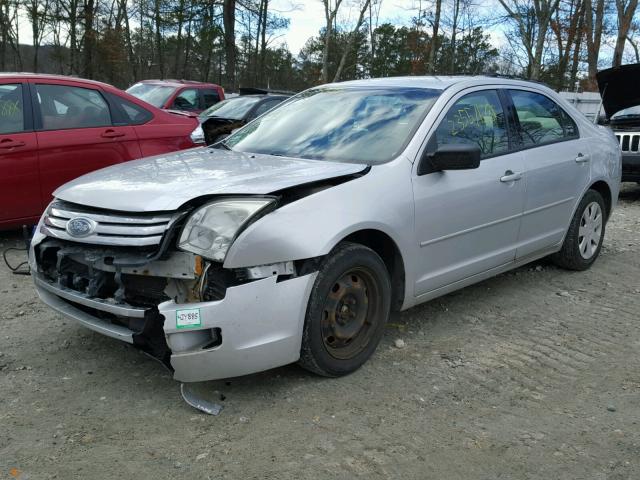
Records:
x=557, y=169
x=19, y=179
x=76, y=133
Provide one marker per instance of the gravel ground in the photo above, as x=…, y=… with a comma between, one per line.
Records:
x=533, y=374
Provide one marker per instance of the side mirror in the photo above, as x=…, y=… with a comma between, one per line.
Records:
x=450, y=157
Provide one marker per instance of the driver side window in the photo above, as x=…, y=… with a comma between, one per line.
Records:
x=476, y=119
x=186, y=100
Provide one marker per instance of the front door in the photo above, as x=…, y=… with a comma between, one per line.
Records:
x=467, y=221
x=19, y=180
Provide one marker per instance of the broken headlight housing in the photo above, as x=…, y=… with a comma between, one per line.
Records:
x=212, y=228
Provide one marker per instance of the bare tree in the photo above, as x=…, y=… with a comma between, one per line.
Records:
x=626, y=10
x=37, y=12
x=330, y=12
x=532, y=19
x=433, y=44
x=229, y=20
x=351, y=39
x=594, y=26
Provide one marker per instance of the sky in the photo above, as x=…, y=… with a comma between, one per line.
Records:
x=307, y=17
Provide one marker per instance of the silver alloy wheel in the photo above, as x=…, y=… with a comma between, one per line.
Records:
x=590, y=230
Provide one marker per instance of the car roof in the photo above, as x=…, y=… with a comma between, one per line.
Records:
x=436, y=82
x=49, y=76
x=178, y=83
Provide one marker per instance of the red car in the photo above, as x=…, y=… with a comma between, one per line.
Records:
x=54, y=129
x=184, y=95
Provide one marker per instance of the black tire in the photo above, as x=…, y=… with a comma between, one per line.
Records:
x=570, y=256
x=351, y=294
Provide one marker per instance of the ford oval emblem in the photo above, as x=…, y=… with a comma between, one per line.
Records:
x=80, y=227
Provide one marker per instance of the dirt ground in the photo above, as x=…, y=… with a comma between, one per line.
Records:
x=533, y=374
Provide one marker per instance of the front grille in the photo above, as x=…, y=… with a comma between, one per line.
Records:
x=63, y=268
x=629, y=142
x=108, y=228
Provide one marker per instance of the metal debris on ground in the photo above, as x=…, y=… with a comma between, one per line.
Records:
x=199, y=403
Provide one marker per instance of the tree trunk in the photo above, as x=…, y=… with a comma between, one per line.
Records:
x=593, y=29
x=157, y=19
x=263, y=41
x=433, y=45
x=351, y=41
x=575, y=61
x=133, y=62
x=330, y=16
x=625, y=17
x=180, y=19
x=229, y=21
x=89, y=37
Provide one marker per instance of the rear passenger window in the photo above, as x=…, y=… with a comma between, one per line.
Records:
x=63, y=107
x=209, y=97
x=265, y=107
x=541, y=119
x=476, y=119
x=11, y=109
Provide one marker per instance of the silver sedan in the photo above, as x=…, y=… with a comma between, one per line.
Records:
x=296, y=237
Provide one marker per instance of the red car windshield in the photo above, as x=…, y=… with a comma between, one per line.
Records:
x=156, y=95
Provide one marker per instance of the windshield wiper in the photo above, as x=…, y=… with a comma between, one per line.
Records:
x=221, y=144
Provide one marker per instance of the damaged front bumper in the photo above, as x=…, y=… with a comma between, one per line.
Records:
x=241, y=328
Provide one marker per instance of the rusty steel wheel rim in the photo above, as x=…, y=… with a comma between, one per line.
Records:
x=350, y=313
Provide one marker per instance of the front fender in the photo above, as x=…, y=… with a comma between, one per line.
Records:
x=311, y=226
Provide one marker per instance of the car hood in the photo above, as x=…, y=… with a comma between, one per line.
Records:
x=165, y=182
x=619, y=87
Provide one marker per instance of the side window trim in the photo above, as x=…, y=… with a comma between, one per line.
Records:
x=519, y=127
x=35, y=106
x=510, y=119
x=38, y=121
x=27, y=107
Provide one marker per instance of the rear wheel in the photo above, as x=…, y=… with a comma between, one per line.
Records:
x=584, y=239
x=347, y=311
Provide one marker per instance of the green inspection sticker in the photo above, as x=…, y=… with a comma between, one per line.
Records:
x=188, y=318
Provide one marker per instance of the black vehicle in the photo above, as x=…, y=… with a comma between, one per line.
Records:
x=222, y=118
x=621, y=102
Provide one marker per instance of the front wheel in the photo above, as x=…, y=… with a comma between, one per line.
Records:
x=583, y=242
x=347, y=311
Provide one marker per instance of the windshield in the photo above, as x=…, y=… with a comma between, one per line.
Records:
x=234, y=108
x=362, y=125
x=156, y=95
x=627, y=112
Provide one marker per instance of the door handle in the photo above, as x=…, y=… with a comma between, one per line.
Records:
x=112, y=134
x=582, y=158
x=8, y=143
x=510, y=176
